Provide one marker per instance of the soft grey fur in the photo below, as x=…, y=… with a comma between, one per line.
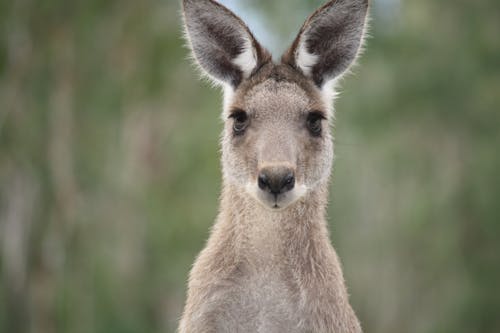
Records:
x=268, y=265
x=217, y=37
x=334, y=33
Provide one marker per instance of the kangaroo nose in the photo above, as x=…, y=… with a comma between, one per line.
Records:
x=276, y=180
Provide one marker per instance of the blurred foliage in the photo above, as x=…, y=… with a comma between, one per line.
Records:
x=109, y=172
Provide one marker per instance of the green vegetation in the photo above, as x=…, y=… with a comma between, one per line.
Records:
x=109, y=172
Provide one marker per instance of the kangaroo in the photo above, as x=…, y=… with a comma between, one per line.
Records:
x=268, y=265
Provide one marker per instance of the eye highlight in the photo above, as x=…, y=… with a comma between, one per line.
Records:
x=314, y=122
x=240, y=121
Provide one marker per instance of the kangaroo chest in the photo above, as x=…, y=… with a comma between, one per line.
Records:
x=262, y=302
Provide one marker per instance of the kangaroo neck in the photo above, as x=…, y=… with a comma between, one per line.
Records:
x=265, y=236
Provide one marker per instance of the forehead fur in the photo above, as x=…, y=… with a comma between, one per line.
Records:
x=278, y=83
x=282, y=100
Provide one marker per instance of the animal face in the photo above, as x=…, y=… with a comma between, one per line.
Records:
x=276, y=142
x=276, y=145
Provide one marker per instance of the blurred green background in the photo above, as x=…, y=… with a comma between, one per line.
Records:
x=109, y=172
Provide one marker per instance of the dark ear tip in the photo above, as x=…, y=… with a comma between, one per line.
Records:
x=191, y=3
x=365, y=3
x=186, y=4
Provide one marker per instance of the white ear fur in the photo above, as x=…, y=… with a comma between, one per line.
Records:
x=247, y=59
x=304, y=59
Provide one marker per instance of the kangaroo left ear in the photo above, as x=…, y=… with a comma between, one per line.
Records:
x=221, y=43
x=329, y=40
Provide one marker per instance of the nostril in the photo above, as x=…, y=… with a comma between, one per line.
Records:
x=276, y=181
x=288, y=182
x=263, y=181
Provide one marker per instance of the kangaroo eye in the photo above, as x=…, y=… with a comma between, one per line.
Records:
x=314, y=120
x=240, y=121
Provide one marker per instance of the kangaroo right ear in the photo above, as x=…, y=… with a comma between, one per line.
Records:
x=329, y=40
x=221, y=43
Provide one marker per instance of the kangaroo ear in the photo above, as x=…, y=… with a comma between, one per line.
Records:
x=221, y=43
x=329, y=40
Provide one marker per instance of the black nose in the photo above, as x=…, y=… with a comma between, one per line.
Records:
x=276, y=180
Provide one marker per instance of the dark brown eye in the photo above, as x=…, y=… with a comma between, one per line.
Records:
x=240, y=121
x=314, y=120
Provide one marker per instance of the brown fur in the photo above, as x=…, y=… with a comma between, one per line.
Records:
x=268, y=265
x=278, y=276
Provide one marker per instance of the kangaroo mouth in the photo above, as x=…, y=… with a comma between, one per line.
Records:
x=280, y=197
x=275, y=201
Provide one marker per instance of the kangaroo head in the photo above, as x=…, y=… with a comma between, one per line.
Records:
x=276, y=145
